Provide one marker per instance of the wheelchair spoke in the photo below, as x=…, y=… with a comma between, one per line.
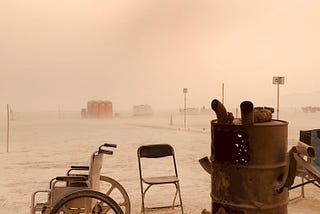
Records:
x=65, y=210
x=105, y=209
x=122, y=204
x=110, y=189
x=116, y=191
x=86, y=202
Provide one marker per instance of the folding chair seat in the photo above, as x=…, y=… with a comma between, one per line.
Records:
x=157, y=151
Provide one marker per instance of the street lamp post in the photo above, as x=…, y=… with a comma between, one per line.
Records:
x=278, y=81
x=185, y=91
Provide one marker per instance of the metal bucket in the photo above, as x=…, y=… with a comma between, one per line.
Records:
x=249, y=167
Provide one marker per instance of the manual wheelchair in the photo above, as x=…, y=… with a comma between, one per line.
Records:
x=80, y=192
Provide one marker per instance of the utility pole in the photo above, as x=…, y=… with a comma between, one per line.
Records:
x=185, y=91
x=8, y=126
x=278, y=81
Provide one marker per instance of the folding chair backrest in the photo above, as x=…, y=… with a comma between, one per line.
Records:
x=155, y=151
x=161, y=169
x=94, y=171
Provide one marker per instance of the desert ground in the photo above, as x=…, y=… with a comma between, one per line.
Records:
x=41, y=148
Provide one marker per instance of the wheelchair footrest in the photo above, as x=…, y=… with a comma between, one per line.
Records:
x=40, y=206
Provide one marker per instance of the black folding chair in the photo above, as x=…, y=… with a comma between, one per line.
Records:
x=154, y=152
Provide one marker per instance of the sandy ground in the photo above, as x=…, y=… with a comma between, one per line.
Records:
x=40, y=150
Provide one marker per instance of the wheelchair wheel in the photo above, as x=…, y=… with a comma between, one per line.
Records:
x=115, y=190
x=86, y=202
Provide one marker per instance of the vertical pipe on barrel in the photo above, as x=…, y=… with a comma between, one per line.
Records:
x=220, y=110
x=247, y=116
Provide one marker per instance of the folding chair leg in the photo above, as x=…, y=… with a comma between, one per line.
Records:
x=180, y=198
x=142, y=200
x=175, y=196
x=142, y=204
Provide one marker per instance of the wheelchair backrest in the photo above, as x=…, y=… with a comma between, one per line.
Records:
x=94, y=171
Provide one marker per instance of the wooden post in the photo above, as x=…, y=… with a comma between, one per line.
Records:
x=185, y=111
x=222, y=93
x=8, y=126
x=171, y=121
x=185, y=91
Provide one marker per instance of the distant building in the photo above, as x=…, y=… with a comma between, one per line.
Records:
x=204, y=110
x=189, y=111
x=99, y=109
x=310, y=109
x=141, y=110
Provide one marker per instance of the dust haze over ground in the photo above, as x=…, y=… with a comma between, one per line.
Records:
x=57, y=55
x=60, y=54
x=43, y=146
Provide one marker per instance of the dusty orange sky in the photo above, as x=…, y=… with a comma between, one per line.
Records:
x=60, y=54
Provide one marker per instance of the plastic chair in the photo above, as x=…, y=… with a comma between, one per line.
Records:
x=156, y=151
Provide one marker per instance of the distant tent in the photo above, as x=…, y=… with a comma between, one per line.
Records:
x=99, y=109
x=140, y=110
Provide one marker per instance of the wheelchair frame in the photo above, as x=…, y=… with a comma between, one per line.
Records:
x=80, y=193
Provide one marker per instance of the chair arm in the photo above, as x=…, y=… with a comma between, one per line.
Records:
x=77, y=168
x=71, y=178
x=80, y=167
x=68, y=179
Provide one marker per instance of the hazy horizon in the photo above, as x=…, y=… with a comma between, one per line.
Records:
x=61, y=54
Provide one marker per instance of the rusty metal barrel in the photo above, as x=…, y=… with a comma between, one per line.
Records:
x=249, y=167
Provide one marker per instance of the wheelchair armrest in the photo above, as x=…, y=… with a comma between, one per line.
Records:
x=79, y=167
x=104, y=151
x=76, y=168
x=68, y=179
x=71, y=178
x=109, y=145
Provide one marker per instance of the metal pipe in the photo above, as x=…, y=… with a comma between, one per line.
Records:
x=247, y=116
x=220, y=110
x=206, y=164
x=307, y=166
x=305, y=149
